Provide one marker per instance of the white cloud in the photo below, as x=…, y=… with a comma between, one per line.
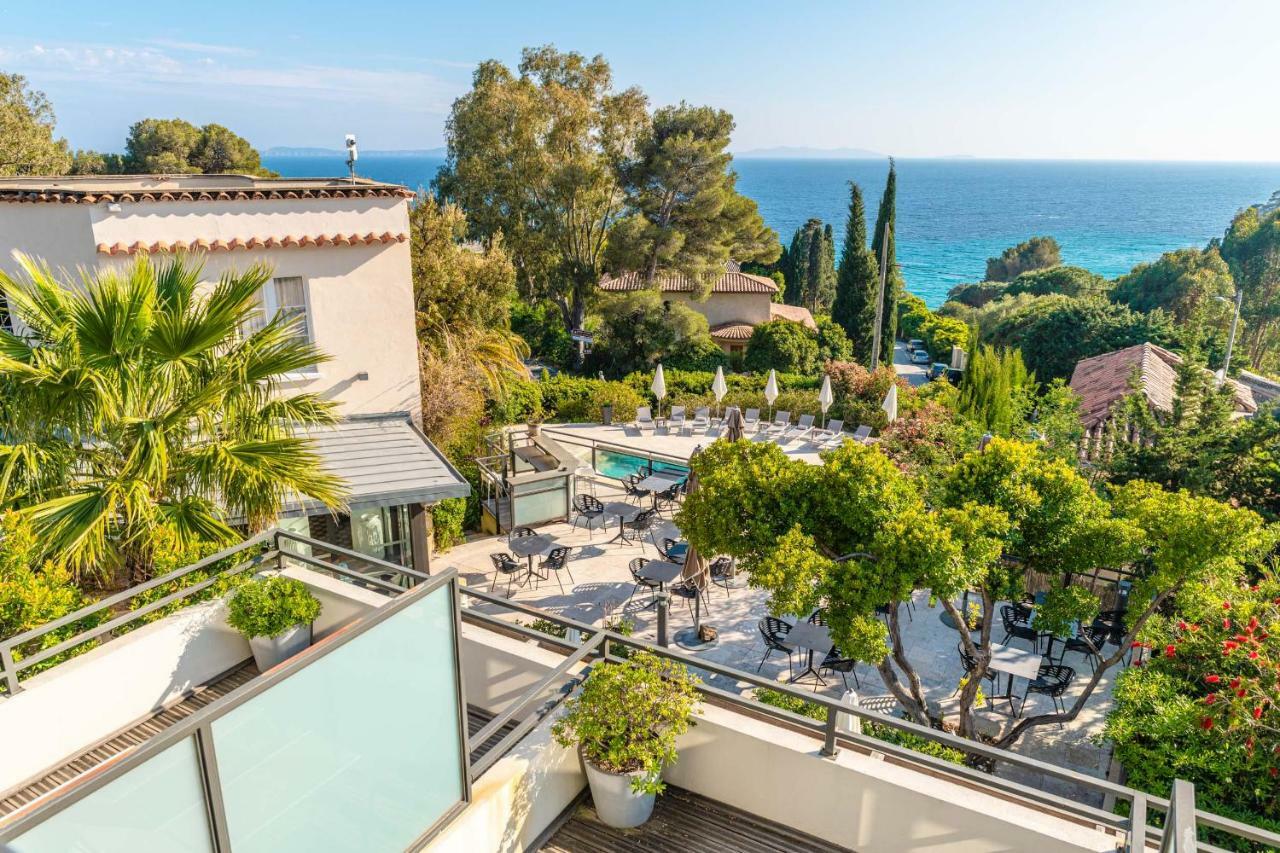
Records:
x=201, y=47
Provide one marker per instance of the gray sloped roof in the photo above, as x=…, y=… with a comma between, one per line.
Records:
x=385, y=461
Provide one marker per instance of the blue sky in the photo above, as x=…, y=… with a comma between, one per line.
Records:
x=1140, y=79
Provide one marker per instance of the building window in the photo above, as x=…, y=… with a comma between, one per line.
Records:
x=286, y=297
x=383, y=532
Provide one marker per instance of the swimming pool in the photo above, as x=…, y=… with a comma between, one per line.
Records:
x=612, y=463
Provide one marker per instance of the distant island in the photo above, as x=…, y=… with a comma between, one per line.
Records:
x=287, y=151
x=798, y=152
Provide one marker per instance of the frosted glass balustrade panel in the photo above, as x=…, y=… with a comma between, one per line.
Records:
x=158, y=807
x=361, y=750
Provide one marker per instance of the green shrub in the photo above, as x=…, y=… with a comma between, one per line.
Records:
x=519, y=403
x=572, y=399
x=172, y=554
x=628, y=717
x=784, y=346
x=697, y=353
x=978, y=294
x=833, y=342
x=267, y=607
x=34, y=593
x=447, y=519
x=542, y=327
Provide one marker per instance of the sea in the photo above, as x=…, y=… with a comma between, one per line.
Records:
x=955, y=213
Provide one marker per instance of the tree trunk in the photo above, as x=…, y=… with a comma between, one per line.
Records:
x=899, y=653
x=917, y=712
x=981, y=656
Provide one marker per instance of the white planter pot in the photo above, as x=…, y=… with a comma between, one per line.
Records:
x=616, y=804
x=269, y=651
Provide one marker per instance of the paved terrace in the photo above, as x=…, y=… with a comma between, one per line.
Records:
x=678, y=444
x=601, y=586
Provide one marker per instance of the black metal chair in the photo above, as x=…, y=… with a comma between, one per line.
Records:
x=1052, y=681
x=690, y=588
x=505, y=564
x=521, y=532
x=1088, y=641
x=1018, y=626
x=834, y=661
x=774, y=631
x=645, y=522
x=970, y=663
x=587, y=507
x=629, y=486
x=721, y=572
x=634, y=567
x=669, y=498
x=555, y=561
x=665, y=550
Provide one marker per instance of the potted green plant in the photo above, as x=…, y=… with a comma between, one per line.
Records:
x=625, y=721
x=275, y=614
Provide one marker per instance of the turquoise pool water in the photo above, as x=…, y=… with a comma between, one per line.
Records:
x=618, y=465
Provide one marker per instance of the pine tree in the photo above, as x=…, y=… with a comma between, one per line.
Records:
x=886, y=222
x=856, y=281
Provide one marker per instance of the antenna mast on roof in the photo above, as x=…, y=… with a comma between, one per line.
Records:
x=353, y=154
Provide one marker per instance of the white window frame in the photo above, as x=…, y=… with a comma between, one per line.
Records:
x=269, y=299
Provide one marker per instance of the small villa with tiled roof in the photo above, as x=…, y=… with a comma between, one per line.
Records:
x=736, y=303
x=1103, y=381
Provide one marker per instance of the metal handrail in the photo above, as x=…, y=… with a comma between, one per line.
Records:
x=1135, y=827
x=11, y=667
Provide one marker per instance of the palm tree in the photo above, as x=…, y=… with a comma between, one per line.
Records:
x=135, y=400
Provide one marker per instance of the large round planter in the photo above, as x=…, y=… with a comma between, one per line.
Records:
x=616, y=804
x=269, y=651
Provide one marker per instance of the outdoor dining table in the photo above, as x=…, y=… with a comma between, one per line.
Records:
x=1013, y=662
x=530, y=547
x=655, y=483
x=661, y=571
x=625, y=512
x=813, y=638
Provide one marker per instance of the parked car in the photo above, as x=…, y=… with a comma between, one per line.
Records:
x=914, y=344
x=920, y=357
x=937, y=369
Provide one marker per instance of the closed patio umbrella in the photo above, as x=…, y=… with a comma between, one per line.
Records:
x=825, y=398
x=736, y=427
x=771, y=390
x=718, y=386
x=659, y=387
x=695, y=569
x=890, y=404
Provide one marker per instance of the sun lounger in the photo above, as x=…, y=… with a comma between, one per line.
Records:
x=781, y=423
x=675, y=421
x=644, y=417
x=751, y=421
x=801, y=430
x=833, y=433
x=701, y=419
x=861, y=434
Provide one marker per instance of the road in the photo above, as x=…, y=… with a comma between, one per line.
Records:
x=916, y=374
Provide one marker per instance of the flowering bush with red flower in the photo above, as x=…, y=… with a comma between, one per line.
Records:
x=1205, y=706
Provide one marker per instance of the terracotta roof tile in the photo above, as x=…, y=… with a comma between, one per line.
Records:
x=735, y=330
x=1104, y=380
x=237, y=243
x=730, y=281
x=794, y=313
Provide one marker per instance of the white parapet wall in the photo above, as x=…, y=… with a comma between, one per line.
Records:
x=65, y=710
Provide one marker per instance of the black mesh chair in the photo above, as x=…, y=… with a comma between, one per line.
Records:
x=690, y=588
x=1052, y=681
x=721, y=572
x=669, y=498
x=556, y=561
x=774, y=631
x=1017, y=624
x=588, y=508
x=635, y=566
x=629, y=486
x=505, y=564
x=665, y=550
x=1088, y=641
x=645, y=522
x=521, y=532
x=834, y=661
x=970, y=663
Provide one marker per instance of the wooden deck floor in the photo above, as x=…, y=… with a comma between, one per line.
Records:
x=138, y=734
x=686, y=822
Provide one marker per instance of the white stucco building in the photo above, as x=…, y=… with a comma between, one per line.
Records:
x=735, y=305
x=340, y=255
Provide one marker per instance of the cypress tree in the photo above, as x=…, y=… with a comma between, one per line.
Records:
x=893, y=282
x=827, y=273
x=797, y=271
x=854, y=306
